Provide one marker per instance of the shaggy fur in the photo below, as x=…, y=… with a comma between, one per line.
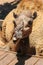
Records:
x=36, y=37
x=21, y=45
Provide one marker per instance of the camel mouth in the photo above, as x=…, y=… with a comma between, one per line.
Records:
x=14, y=39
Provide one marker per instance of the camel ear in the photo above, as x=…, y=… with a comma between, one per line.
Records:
x=15, y=15
x=34, y=15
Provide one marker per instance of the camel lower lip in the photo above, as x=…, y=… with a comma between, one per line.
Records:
x=14, y=41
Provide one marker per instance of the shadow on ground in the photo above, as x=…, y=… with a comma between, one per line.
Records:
x=21, y=59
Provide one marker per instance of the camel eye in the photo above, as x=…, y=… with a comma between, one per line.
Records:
x=29, y=22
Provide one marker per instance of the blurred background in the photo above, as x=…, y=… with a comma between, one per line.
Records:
x=5, y=7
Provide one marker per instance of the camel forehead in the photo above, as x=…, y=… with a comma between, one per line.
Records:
x=22, y=18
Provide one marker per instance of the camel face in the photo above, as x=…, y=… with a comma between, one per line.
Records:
x=23, y=23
